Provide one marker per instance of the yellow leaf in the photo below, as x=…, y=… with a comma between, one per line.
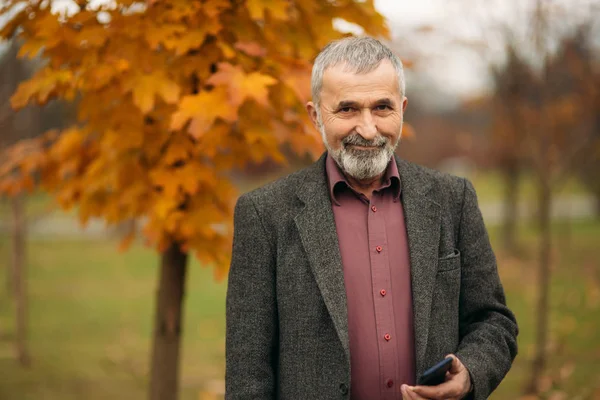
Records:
x=277, y=9
x=45, y=84
x=178, y=149
x=163, y=178
x=155, y=35
x=145, y=87
x=213, y=8
x=203, y=109
x=192, y=38
x=228, y=52
x=241, y=85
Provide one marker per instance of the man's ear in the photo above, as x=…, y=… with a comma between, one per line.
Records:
x=311, y=108
x=404, y=104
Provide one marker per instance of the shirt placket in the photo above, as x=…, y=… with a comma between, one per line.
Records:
x=381, y=291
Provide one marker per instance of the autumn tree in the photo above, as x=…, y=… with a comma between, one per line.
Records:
x=557, y=135
x=15, y=126
x=172, y=94
x=549, y=114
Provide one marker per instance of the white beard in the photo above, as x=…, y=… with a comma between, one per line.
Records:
x=361, y=164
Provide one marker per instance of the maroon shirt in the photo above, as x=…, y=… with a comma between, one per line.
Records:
x=375, y=259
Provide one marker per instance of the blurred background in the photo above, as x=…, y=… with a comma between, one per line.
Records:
x=503, y=92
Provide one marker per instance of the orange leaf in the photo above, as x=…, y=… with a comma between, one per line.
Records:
x=241, y=85
x=203, y=109
x=251, y=48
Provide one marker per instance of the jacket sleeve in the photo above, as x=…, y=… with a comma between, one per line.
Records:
x=251, y=316
x=488, y=329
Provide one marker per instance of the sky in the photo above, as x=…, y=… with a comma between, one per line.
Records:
x=456, y=68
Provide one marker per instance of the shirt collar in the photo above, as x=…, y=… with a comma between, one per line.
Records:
x=338, y=181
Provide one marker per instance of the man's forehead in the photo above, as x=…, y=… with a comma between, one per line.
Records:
x=340, y=80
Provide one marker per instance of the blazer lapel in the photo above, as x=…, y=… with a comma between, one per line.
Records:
x=316, y=225
x=422, y=216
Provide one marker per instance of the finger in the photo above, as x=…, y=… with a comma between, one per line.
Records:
x=405, y=395
x=409, y=394
x=450, y=388
x=456, y=365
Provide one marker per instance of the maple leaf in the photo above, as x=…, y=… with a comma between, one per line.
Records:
x=213, y=8
x=44, y=84
x=147, y=86
x=192, y=38
x=277, y=9
x=251, y=48
x=241, y=86
x=203, y=109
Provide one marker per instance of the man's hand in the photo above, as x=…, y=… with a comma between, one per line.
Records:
x=456, y=386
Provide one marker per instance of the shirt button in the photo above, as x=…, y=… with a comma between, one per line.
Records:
x=389, y=383
x=387, y=337
x=343, y=389
x=374, y=208
x=378, y=248
x=382, y=292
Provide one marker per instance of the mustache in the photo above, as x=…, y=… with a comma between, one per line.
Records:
x=356, y=140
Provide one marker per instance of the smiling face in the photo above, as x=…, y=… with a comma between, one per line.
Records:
x=360, y=117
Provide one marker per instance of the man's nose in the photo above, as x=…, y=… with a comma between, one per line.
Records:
x=366, y=127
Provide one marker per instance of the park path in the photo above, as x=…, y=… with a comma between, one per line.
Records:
x=57, y=224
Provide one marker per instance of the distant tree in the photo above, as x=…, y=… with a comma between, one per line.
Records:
x=557, y=136
x=16, y=126
x=172, y=95
x=512, y=82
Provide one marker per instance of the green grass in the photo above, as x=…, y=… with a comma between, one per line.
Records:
x=91, y=314
x=574, y=351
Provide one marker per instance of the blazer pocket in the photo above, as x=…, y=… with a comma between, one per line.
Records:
x=450, y=262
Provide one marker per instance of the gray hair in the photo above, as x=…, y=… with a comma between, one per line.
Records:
x=359, y=54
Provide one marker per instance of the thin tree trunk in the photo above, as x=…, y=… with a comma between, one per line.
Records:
x=10, y=274
x=597, y=197
x=544, y=275
x=18, y=267
x=164, y=377
x=511, y=202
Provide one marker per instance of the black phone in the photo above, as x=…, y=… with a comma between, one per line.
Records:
x=436, y=374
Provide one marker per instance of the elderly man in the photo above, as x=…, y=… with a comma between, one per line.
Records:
x=353, y=276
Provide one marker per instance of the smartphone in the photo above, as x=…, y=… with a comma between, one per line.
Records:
x=436, y=374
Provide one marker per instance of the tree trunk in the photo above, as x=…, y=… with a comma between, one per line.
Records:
x=164, y=376
x=597, y=197
x=544, y=274
x=19, y=271
x=511, y=203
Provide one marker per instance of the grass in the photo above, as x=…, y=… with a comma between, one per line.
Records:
x=91, y=313
x=574, y=350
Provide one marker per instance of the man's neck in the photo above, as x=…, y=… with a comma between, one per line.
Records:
x=366, y=186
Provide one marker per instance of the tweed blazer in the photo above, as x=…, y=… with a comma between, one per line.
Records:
x=287, y=326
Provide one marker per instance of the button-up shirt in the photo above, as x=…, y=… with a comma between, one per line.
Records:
x=374, y=249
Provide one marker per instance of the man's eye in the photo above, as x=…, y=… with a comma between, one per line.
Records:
x=346, y=109
x=383, y=107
